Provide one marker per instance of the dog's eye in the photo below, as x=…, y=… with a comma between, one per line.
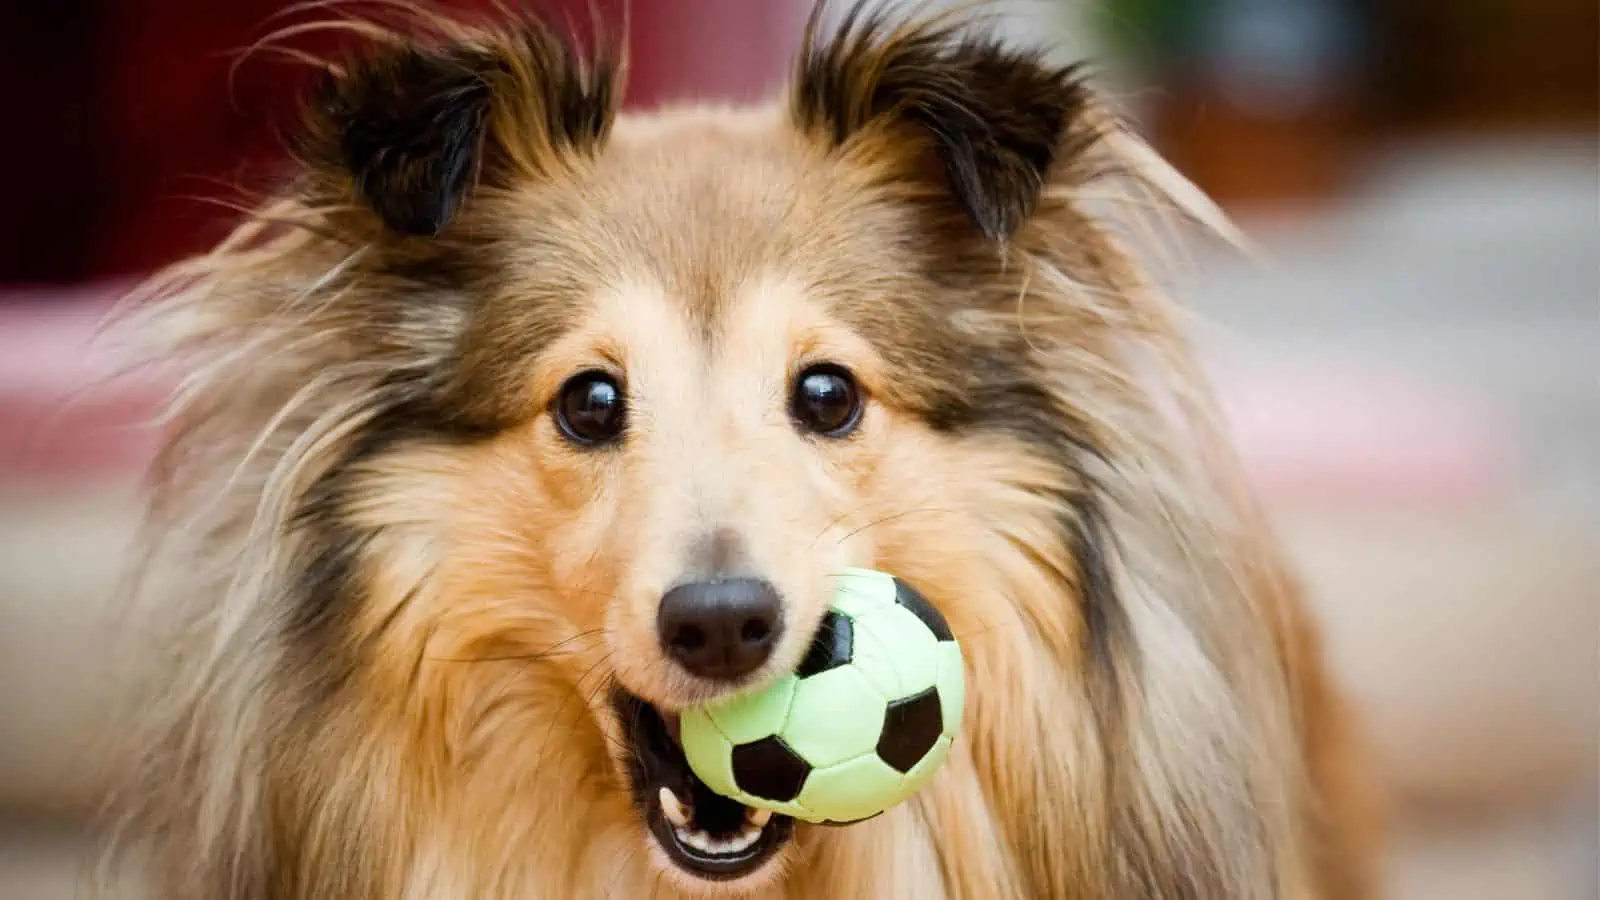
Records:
x=826, y=401
x=590, y=409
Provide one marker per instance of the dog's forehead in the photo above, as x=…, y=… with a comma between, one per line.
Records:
x=713, y=209
x=721, y=236
x=704, y=199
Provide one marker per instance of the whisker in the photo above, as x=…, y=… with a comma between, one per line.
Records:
x=555, y=719
x=523, y=657
x=895, y=517
x=622, y=869
x=874, y=523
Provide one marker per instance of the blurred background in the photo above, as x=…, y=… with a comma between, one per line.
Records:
x=1411, y=370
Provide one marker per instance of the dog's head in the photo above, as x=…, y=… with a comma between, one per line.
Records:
x=569, y=420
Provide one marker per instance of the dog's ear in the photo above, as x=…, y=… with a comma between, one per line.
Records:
x=996, y=118
x=409, y=128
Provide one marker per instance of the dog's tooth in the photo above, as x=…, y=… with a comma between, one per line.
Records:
x=672, y=808
x=713, y=846
x=697, y=839
x=759, y=817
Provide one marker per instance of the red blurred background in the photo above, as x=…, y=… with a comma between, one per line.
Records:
x=127, y=123
x=124, y=116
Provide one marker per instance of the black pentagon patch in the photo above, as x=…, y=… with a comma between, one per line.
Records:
x=910, y=729
x=908, y=597
x=769, y=769
x=835, y=641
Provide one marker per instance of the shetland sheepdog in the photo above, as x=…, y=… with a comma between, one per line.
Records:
x=501, y=367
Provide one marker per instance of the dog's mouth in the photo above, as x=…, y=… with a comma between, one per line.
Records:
x=701, y=832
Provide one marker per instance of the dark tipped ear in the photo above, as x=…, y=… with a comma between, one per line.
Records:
x=410, y=131
x=997, y=118
x=411, y=127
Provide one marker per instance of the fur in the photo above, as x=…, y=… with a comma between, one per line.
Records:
x=400, y=599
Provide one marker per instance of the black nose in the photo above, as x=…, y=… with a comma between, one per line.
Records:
x=720, y=629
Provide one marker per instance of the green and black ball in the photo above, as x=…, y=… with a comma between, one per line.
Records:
x=861, y=724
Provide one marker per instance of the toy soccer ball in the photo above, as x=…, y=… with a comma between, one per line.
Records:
x=861, y=724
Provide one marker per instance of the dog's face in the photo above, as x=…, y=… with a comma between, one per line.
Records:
x=716, y=382
x=708, y=433
x=694, y=421
x=653, y=383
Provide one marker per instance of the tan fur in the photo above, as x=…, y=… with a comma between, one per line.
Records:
x=507, y=580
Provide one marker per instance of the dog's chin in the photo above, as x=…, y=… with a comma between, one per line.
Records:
x=701, y=837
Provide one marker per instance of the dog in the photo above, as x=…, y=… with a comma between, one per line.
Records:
x=501, y=372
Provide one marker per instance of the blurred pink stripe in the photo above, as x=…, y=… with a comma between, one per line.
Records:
x=1334, y=432
x=61, y=412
